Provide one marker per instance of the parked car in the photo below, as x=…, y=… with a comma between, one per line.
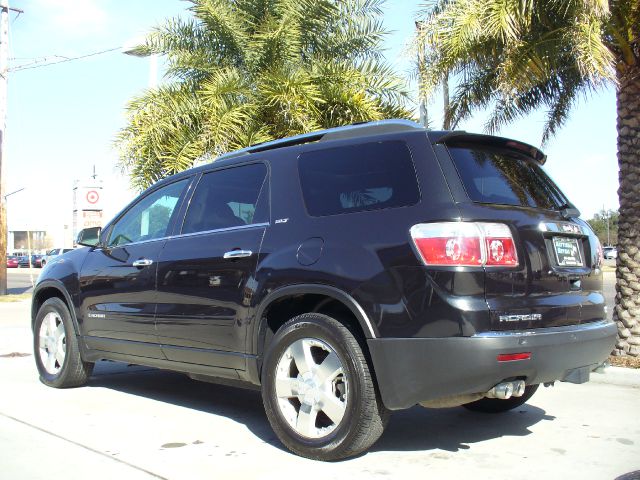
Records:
x=12, y=262
x=34, y=261
x=348, y=273
x=51, y=254
x=610, y=252
x=24, y=261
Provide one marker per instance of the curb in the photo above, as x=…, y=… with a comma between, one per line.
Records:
x=25, y=271
x=621, y=376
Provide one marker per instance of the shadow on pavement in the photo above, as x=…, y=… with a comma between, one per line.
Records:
x=238, y=404
x=19, y=290
x=453, y=429
x=416, y=429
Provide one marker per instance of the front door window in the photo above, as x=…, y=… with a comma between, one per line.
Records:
x=149, y=219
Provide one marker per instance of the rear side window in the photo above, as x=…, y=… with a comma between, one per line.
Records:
x=228, y=198
x=370, y=176
x=499, y=176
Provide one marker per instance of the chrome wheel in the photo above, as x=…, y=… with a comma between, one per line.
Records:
x=52, y=343
x=311, y=387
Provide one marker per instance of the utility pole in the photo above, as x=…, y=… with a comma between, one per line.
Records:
x=446, y=123
x=4, y=72
x=607, y=215
x=424, y=114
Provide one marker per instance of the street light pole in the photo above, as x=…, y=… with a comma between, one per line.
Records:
x=11, y=193
x=4, y=71
x=130, y=48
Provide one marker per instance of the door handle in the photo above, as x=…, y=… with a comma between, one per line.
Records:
x=237, y=254
x=143, y=262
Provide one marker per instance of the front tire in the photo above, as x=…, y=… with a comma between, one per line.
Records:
x=318, y=391
x=56, y=348
x=495, y=405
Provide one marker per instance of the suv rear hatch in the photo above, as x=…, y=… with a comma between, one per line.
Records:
x=558, y=280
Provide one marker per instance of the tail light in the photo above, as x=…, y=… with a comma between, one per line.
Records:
x=465, y=244
x=600, y=259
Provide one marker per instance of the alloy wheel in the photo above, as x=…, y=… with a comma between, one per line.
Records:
x=53, y=343
x=311, y=388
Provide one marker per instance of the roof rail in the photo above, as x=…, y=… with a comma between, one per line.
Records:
x=338, y=133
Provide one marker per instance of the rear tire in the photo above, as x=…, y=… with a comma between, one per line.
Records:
x=495, y=405
x=56, y=347
x=318, y=391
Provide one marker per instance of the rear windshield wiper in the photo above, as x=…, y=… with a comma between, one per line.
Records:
x=568, y=210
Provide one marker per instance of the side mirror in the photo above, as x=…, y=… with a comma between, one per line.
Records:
x=89, y=237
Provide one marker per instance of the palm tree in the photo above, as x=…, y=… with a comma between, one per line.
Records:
x=515, y=56
x=248, y=71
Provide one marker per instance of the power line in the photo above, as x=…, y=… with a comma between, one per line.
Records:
x=35, y=60
x=30, y=66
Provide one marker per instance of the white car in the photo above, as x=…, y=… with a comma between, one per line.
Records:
x=51, y=254
x=610, y=252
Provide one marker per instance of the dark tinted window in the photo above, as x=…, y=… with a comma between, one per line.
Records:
x=228, y=198
x=358, y=177
x=499, y=176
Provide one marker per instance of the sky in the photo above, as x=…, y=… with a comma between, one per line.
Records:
x=62, y=119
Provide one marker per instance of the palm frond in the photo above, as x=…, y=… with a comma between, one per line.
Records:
x=515, y=56
x=247, y=71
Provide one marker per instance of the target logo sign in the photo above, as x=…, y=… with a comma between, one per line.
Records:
x=92, y=197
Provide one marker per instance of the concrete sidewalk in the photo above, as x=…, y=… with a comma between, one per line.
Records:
x=135, y=422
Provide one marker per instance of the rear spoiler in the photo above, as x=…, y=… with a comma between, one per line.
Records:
x=460, y=138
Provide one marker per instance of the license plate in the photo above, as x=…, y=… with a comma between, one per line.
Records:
x=567, y=252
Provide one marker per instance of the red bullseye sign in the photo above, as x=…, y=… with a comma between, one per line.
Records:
x=92, y=197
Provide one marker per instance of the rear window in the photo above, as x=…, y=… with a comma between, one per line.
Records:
x=500, y=176
x=355, y=178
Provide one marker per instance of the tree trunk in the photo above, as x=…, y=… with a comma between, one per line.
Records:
x=627, y=310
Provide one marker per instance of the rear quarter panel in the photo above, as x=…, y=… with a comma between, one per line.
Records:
x=365, y=254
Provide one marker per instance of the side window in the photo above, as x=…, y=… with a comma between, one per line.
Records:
x=228, y=198
x=149, y=218
x=349, y=179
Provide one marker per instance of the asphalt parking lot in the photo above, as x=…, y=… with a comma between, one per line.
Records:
x=135, y=422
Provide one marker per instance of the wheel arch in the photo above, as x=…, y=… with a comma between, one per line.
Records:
x=293, y=300
x=50, y=289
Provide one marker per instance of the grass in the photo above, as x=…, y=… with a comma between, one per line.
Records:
x=15, y=298
x=629, y=362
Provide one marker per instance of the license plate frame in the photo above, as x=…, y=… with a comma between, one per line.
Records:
x=567, y=252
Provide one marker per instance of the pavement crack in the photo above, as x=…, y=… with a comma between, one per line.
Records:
x=77, y=444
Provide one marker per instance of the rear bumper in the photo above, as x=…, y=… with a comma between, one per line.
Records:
x=411, y=370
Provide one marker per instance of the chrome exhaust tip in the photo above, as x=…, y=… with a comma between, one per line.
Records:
x=503, y=391
x=518, y=388
x=506, y=390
